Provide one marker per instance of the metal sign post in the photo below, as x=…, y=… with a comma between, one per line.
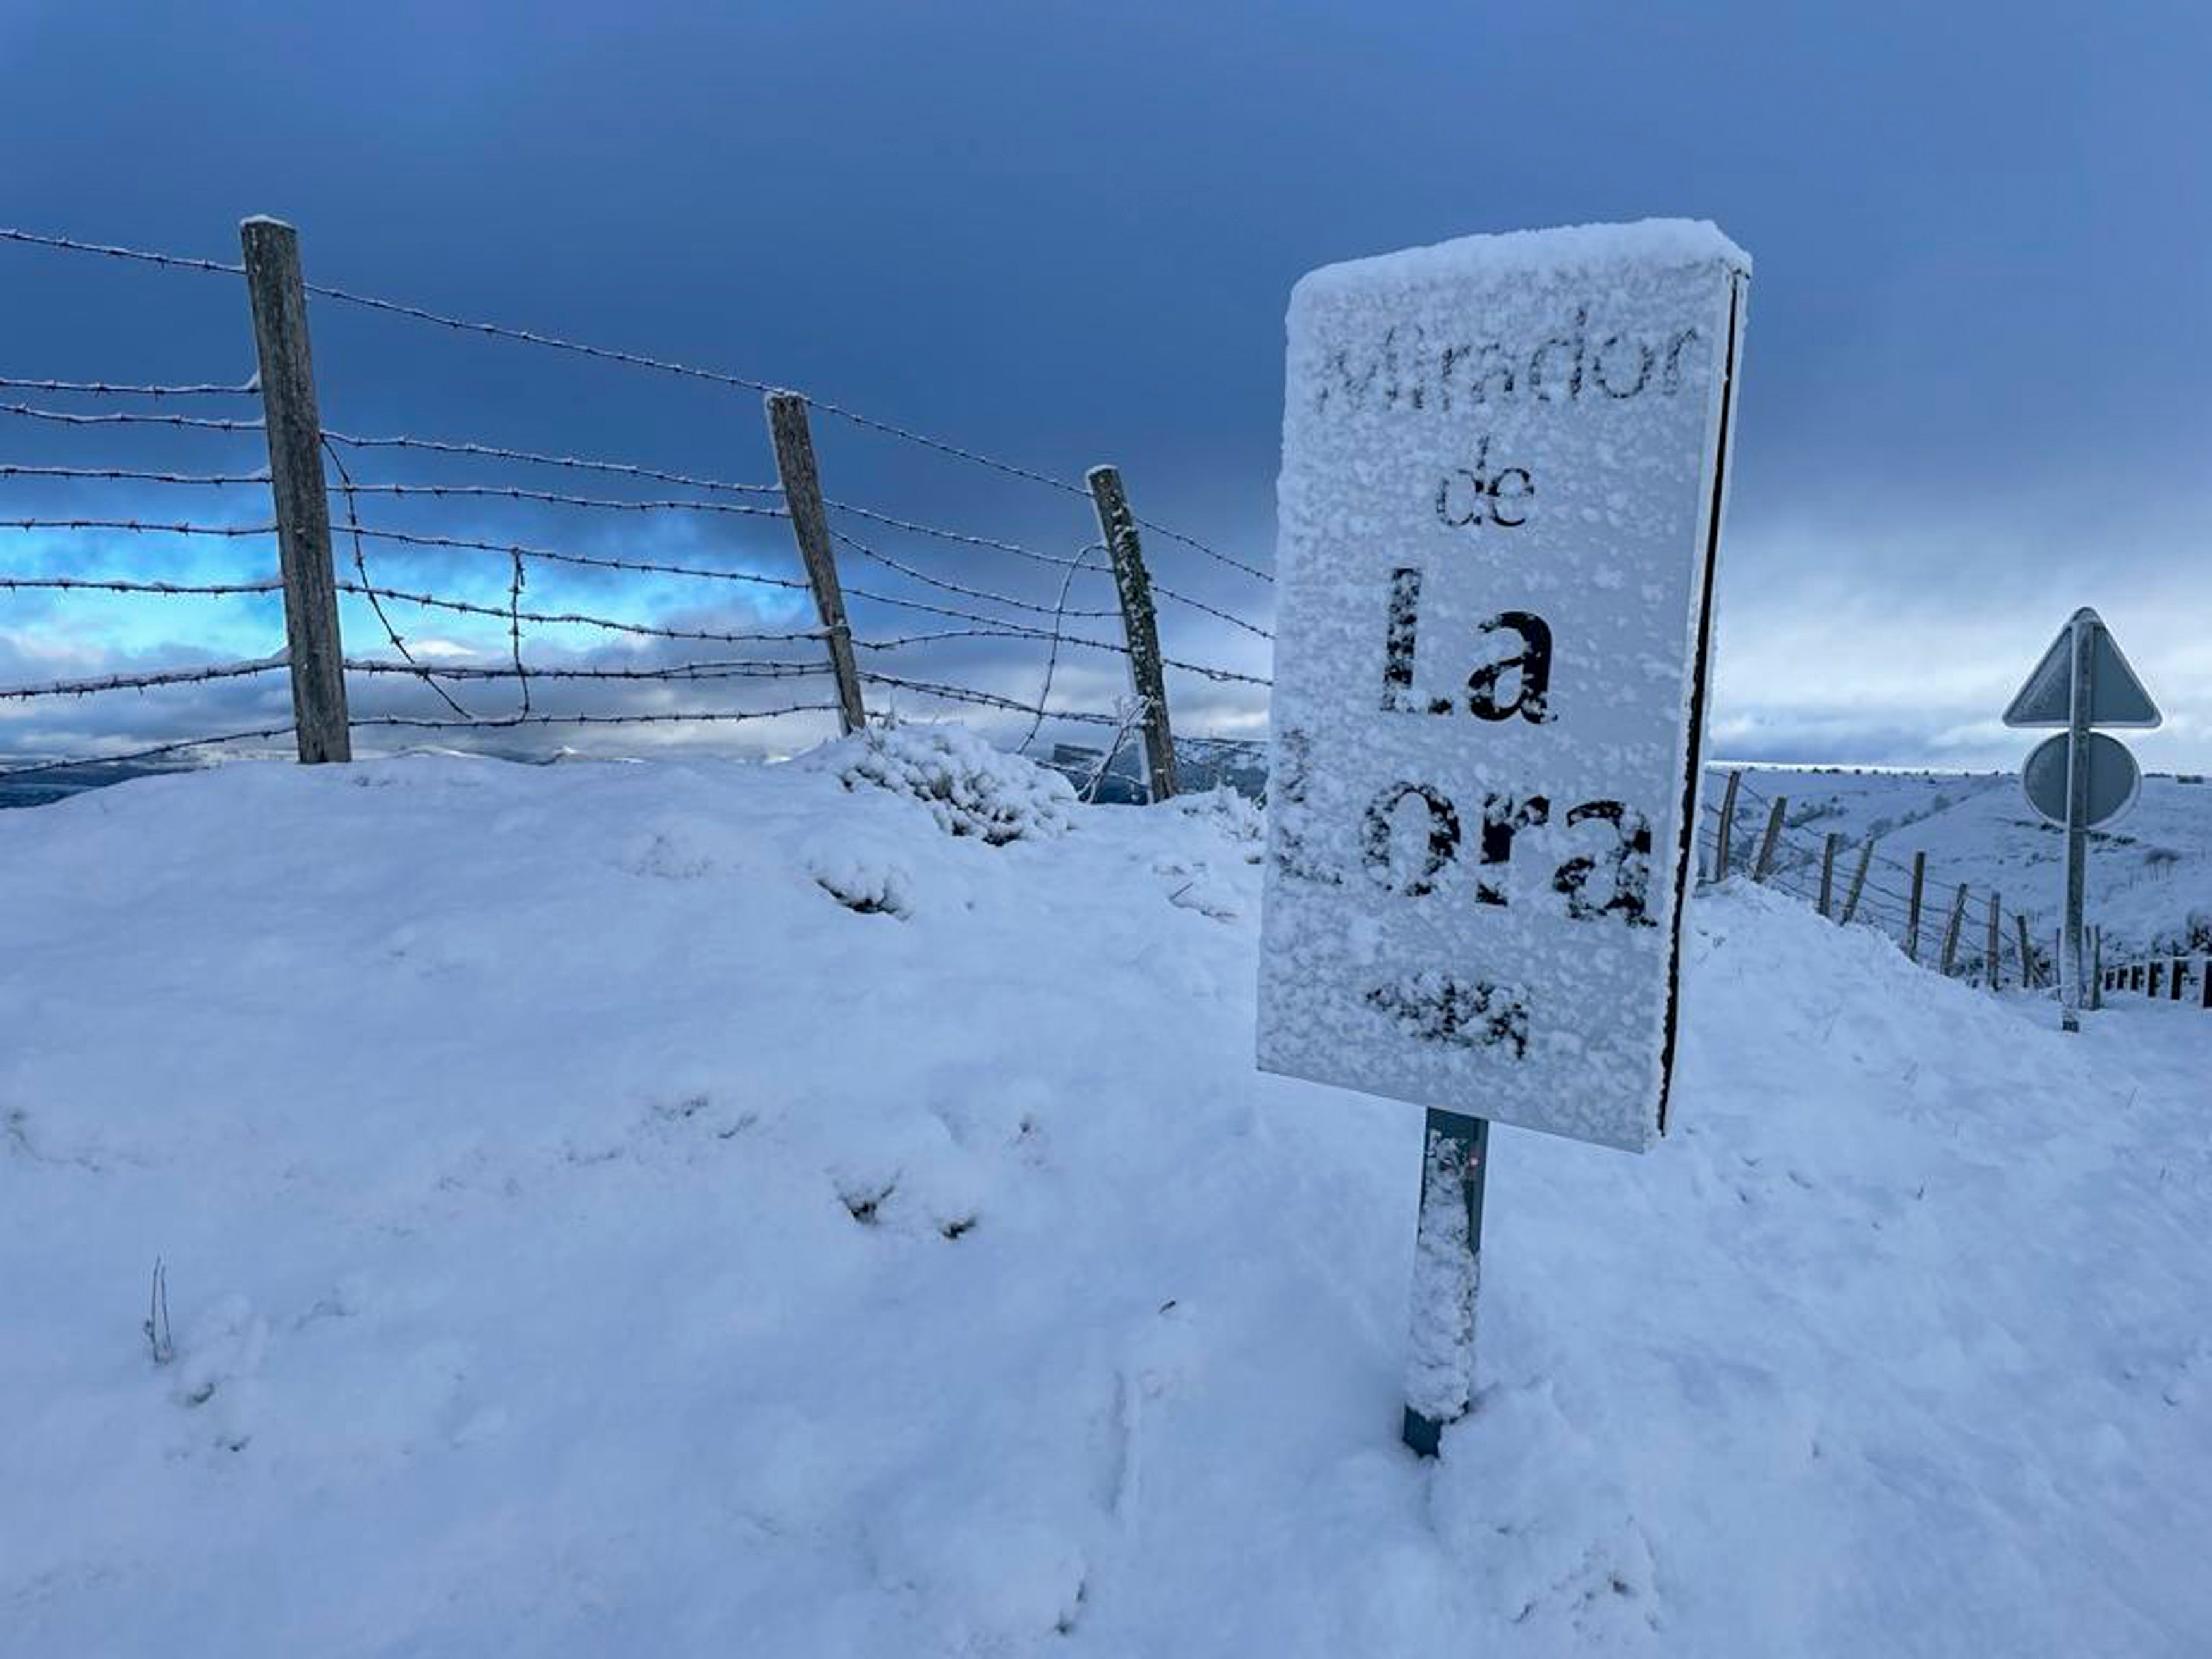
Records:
x=1503, y=475
x=2082, y=682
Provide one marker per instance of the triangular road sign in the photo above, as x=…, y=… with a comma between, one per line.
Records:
x=2117, y=697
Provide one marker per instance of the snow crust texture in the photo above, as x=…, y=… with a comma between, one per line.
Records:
x=969, y=787
x=587, y=1233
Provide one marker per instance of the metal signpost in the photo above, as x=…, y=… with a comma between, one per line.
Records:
x=2083, y=779
x=1503, y=476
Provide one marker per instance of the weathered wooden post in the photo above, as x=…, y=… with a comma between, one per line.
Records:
x=1118, y=525
x=295, y=433
x=1993, y=949
x=1912, y=912
x=809, y=527
x=2175, y=977
x=1858, y=882
x=1771, y=840
x=2027, y=973
x=1727, y=831
x=2204, y=985
x=1951, y=929
x=1828, y=869
x=2096, y=967
x=2151, y=991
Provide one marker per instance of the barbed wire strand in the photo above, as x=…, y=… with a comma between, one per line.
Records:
x=123, y=584
x=986, y=699
x=675, y=718
x=465, y=607
x=132, y=475
x=141, y=526
x=510, y=492
x=634, y=359
x=597, y=561
x=963, y=591
x=763, y=670
x=117, y=389
x=86, y=688
x=1211, y=552
x=568, y=463
x=128, y=418
x=514, y=629
x=961, y=537
x=1052, y=656
x=368, y=588
x=155, y=752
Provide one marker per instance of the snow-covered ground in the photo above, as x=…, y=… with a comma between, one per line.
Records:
x=2150, y=875
x=665, y=1209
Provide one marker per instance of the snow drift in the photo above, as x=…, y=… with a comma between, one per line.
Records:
x=692, y=1209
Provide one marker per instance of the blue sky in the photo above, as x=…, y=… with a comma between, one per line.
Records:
x=1976, y=385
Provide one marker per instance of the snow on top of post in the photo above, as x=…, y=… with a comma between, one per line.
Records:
x=1566, y=248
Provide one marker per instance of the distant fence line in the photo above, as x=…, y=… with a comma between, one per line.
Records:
x=862, y=666
x=1860, y=885
x=2169, y=978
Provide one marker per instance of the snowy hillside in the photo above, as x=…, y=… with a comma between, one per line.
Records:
x=2150, y=875
x=670, y=1210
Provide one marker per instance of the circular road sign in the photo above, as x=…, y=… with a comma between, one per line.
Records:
x=2115, y=780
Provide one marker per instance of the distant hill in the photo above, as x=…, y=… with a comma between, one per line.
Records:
x=2150, y=877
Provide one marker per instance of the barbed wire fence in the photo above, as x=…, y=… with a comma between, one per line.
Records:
x=384, y=611
x=1936, y=923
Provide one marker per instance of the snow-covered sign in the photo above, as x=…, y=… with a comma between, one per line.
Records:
x=1502, y=486
x=2116, y=697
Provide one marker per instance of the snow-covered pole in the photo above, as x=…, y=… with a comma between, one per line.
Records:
x=1992, y=949
x=294, y=432
x=2096, y=967
x=2026, y=955
x=1912, y=908
x=2080, y=704
x=1828, y=870
x=1118, y=525
x=1858, y=882
x=1446, y=1277
x=1952, y=927
x=809, y=528
x=1771, y=840
x=1727, y=828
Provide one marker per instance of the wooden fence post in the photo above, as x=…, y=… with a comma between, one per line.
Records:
x=1726, y=832
x=294, y=432
x=2204, y=987
x=1858, y=882
x=2174, y=977
x=1951, y=929
x=2096, y=967
x=2152, y=989
x=1118, y=525
x=2028, y=977
x=1828, y=869
x=1912, y=912
x=809, y=527
x=1771, y=840
x=1994, y=949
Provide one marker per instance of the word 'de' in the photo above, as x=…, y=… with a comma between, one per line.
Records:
x=1502, y=479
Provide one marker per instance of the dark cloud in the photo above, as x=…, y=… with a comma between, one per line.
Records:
x=1064, y=235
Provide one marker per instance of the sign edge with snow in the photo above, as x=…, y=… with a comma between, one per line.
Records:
x=1504, y=472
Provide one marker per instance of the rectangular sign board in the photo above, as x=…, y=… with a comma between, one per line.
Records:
x=1501, y=488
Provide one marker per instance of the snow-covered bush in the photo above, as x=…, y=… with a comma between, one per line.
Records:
x=969, y=787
